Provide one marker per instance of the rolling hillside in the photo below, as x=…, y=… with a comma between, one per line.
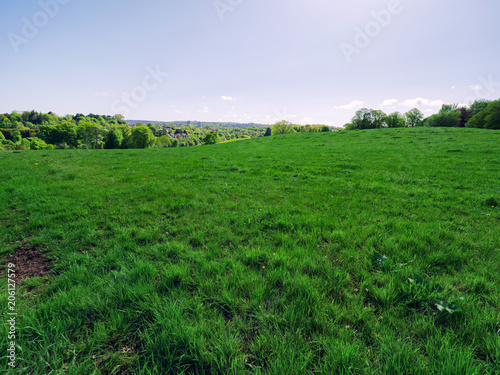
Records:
x=360, y=252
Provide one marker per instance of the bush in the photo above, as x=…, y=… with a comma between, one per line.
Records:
x=16, y=137
x=8, y=145
x=62, y=146
x=35, y=143
x=25, y=144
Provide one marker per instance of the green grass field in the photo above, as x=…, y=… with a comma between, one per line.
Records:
x=361, y=252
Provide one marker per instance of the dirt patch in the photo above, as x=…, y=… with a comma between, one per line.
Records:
x=29, y=262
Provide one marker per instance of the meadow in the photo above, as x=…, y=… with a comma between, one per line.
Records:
x=352, y=252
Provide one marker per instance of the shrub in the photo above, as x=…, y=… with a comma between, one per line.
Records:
x=35, y=143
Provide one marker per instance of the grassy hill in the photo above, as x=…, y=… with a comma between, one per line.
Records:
x=362, y=252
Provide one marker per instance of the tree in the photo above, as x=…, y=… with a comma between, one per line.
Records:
x=444, y=119
x=142, y=137
x=211, y=138
x=164, y=141
x=446, y=108
x=282, y=127
x=368, y=119
x=465, y=115
x=479, y=105
x=414, y=117
x=486, y=117
x=395, y=120
x=92, y=133
x=493, y=119
x=113, y=138
x=268, y=132
x=6, y=123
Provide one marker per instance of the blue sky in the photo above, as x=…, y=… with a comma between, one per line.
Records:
x=306, y=61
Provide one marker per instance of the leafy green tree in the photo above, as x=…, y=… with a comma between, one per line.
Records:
x=414, y=117
x=282, y=127
x=325, y=129
x=15, y=117
x=268, y=132
x=92, y=133
x=484, y=117
x=48, y=119
x=445, y=108
x=479, y=105
x=211, y=138
x=113, y=138
x=6, y=123
x=368, y=119
x=493, y=119
x=164, y=141
x=444, y=119
x=395, y=120
x=67, y=133
x=142, y=137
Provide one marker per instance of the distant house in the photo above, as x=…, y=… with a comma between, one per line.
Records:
x=178, y=136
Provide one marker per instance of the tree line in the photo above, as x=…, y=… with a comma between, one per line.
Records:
x=286, y=127
x=35, y=131
x=480, y=114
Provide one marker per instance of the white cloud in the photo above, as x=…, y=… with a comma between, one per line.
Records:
x=351, y=105
x=389, y=102
x=453, y=87
x=228, y=98
x=422, y=102
x=476, y=87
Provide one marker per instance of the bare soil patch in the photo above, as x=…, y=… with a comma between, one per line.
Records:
x=29, y=261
